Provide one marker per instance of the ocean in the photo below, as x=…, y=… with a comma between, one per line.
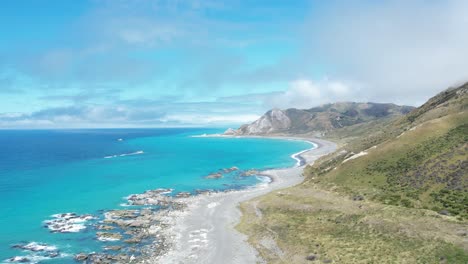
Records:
x=89, y=171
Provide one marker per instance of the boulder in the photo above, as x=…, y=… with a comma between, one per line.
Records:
x=444, y=212
x=139, y=223
x=216, y=175
x=133, y=240
x=113, y=248
x=19, y=259
x=358, y=198
x=105, y=236
x=81, y=257
x=105, y=227
x=183, y=195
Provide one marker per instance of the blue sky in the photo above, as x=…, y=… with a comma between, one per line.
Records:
x=144, y=63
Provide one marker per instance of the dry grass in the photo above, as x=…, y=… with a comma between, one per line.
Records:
x=418, y=163
x=304, y=221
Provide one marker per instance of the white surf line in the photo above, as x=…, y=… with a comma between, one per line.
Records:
x=139, y=152
x=297, y=156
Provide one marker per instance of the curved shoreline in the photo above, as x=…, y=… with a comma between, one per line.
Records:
x=205, y=233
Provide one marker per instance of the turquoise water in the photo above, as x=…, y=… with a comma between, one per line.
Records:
x=49, y=172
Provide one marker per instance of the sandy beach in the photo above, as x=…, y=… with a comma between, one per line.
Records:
x=204, y=232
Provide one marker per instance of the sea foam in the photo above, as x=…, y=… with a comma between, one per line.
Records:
x=125, y=154
x=67, y=222
x=34, y=246
x=37, y=252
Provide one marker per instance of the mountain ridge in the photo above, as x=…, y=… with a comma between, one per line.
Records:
x=320, y=119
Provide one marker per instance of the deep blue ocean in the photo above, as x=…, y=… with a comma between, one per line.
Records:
x=45, y=172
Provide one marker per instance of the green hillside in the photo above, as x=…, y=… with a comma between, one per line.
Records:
x=417, y=161
x=396, y=191
x=425, y=167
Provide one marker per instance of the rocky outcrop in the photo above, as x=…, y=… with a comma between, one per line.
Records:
x=230, y=132
x=215, y=175
x=271, y=121
x=105, y=236
x=104, y=258
x=151, y=197
x=67, y=222
x=318, y=119
x=219, y=174
x=35, y=251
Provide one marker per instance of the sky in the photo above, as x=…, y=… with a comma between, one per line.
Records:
x=160, y=63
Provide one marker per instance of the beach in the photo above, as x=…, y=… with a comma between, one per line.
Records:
x=106, y=198
x=205, y=231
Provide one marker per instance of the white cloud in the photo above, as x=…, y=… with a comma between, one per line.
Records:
x=305, y=93
x=138, y=113
x=400, y=51
x=339, y=89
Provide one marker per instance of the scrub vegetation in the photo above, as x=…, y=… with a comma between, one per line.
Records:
x=396, y=191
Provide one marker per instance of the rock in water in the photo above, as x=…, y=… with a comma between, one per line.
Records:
x=105, y=236
x=67, y=222
x=19, y=259
x=216, y=175
x=36, y=247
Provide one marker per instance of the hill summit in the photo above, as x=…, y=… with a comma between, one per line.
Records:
x=319, y=119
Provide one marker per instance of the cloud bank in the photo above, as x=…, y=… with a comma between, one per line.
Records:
x=134, y=113
x=304, y=93
x=397, y=51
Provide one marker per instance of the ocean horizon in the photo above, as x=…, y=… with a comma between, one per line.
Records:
x=45, y=175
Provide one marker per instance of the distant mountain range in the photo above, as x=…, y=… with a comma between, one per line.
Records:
x=319, y=119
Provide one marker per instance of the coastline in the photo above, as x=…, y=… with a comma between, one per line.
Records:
x=204, y=232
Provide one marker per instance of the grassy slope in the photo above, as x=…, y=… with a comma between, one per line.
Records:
x=417, y=168
x=300, y=221
x=423, y=168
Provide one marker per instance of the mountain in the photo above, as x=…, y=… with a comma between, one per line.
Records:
x=396, y=191
x=320, y=119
